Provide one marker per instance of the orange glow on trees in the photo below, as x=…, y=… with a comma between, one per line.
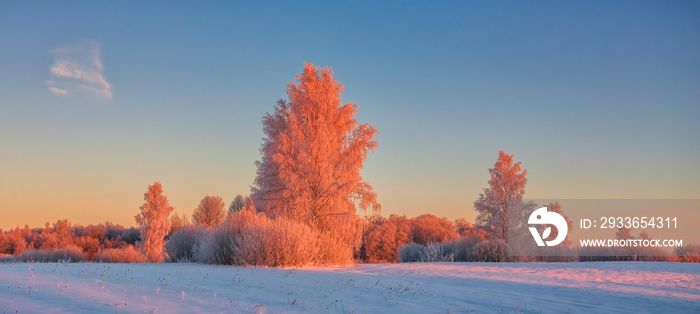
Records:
x=210, y=211
x=507, y=183
x=556, y=207
x=153, y=222
x=313, y=154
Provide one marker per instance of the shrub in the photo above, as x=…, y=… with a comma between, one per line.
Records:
x=600, y=254
x=89, y=245
x=464, y=249
x=122, y=255
x=333, y=250
x=181, y=244
x=491, y=250
x=431, y=229
x=4, y=243
x=69, y=254
x=277, y=242
x=249, y=238
x=215, y=246
x=379, y=244
x=117, y=233
x=383, y=237
x=410, y=253
x=688, y=254
x=433, y=252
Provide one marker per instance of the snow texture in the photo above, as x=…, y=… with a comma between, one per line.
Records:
x=602, y=287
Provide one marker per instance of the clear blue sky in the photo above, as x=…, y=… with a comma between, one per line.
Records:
x=598, y=99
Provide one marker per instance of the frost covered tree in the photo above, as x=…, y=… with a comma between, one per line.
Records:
x=210, y=211
x=237, y=204
x=556, y=207
x=312, y=155
x=153, y=222
x=432, y=229
x=623, y=233
x=178, y=221
x=507, y=184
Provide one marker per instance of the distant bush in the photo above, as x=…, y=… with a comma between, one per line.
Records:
x=4, y=244
x=180, y=247
x=464, y=249
x=492, y=250
x=383, y=237
x=418, y=253
x=89, y=245
x=116, y=233
x=432, y=229
x=621, y=254
x=69, y=254
x=688, y=254
x=410, y=253
x=122, y=255
x=470, y=249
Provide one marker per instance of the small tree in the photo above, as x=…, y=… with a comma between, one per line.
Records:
x=237, y=204
x=556, y=207
x=153, y=222
x=623, y=233
x=16, y=240
x=178, y=221
x=210, y=211
x=507, y=184
x=4, y=244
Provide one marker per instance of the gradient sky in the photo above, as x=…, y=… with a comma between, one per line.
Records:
x=598, y=99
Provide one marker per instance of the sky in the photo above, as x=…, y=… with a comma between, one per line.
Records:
x=597, y=99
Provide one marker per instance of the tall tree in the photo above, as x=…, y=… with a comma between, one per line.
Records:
x=237, y=204
x=507, y=184
x=210, y=211
x=153, y=222
x=313, y=153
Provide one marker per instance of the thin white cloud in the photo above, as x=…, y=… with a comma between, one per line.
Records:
x=78, y=67
x=58, y=91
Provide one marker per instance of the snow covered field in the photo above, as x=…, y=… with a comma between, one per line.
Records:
x=630, y=287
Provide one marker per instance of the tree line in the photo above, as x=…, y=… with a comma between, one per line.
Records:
x=302, y=208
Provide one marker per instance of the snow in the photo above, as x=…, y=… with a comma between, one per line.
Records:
x=603, y=287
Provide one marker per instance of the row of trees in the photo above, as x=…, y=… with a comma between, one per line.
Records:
x=309, y=173
x=62, y=234
x=305, y=198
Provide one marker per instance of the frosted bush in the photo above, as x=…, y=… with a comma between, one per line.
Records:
x=122, y=255
x=277, y=242
x=181, y=244
x=69, y=254
x=688, y=253
x=215, y=246
x=433, y=252
x=250, y=238
x=333, y=250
